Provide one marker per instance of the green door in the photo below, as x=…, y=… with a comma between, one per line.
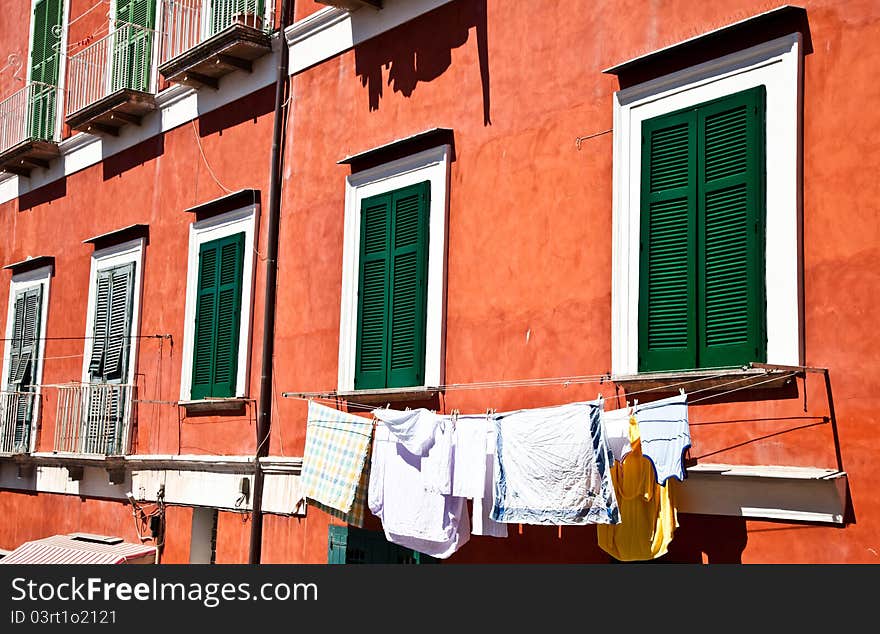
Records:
x=45, y=56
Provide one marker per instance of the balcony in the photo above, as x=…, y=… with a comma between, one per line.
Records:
x=111, y=82
x=201, y=42
x=95, y=418
x=16, y=414
x=28, y=132
x=352, y=5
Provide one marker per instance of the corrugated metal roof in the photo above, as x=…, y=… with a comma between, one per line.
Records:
x=75, y=549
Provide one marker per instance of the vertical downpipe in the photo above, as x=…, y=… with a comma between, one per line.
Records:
x=264, y=407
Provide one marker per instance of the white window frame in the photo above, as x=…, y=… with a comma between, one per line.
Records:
x=242, y=220
x=23, y=282
x=108, y=258
x=777, y=65
x=429, y=165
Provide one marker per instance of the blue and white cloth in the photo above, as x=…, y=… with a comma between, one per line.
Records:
x=665, y=433
x=552, y=466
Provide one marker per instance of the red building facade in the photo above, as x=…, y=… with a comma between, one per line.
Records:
x=558, y=157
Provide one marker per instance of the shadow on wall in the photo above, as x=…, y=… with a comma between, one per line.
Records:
x=721, y=539
x=421, y=50
x=42, y=195
x=248, y=108
x=135, y=156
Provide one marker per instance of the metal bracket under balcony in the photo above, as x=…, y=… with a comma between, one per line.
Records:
x=29, y=154
x=108, y=114
x=234, y=48
x=351, y=5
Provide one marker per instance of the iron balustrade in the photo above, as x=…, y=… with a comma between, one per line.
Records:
x=28, y=115
x=187, y=23
x=94, y=418
x=120, y=60
x=16, y=415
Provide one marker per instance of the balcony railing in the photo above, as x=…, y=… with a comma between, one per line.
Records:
x=16, y=413
x=120, y=60
x=95, y=418
x=187, y=23
x=28, y=115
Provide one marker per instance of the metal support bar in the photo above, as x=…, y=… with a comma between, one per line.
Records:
x=829, y=396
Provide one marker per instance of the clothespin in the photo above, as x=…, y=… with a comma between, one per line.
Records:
x=681, y=391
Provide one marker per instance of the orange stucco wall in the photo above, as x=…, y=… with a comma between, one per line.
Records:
x=528, y=285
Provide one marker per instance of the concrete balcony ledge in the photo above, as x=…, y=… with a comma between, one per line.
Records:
x=798, y=494
x=708, y=381
x=23, y=157
x=108, y=114
x=235, y=48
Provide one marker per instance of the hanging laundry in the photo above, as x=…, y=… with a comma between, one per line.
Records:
x=648, y=515
x=469, y=455
x=412, y=516
x=552, y=467
x=483, y=524
x=334, y=460
x=616, y=426
x=413, y=428
x=665, y=435
x=437, y=464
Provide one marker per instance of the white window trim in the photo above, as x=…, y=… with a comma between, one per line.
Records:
x=778, y=65
x=23, y=282
x=108, y=258
x=431, y=165
x=243, y=220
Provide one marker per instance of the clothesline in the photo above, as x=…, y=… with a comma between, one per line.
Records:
x=330, y=400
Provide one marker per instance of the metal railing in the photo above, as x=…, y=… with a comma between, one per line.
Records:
x=16, y=414
x=120, y=59
x=29, y=114
x=94, y=418
x=187, y=23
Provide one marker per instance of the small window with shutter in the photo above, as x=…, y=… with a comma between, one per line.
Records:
x=44, y=64
x=133, y=44
x=701, y=289
x=23, y=357
x=218, y=317
x=392, y=289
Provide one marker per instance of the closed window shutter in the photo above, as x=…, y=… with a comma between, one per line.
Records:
x=667, y=301
x=23, y=359
x=731, y=255
x=133, y=47
x=113, y=310
x=45, y=56
x=409, y=280
x=373, y=291
x=102, y=315
x=702, y=297
x=218, y=317
x=119, y=323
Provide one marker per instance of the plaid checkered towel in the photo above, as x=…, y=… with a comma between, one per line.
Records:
x=333, y=471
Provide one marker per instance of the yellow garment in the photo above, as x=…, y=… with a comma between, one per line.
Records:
x=648, y=516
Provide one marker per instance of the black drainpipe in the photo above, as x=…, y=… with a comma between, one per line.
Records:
x=264, y=407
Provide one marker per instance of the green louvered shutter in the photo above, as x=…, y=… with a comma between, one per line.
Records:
x=409, y=282
x=133, y=47
x=350, y=545
x=24, y=349
x=667, y=282
x=392, y=289
x=218, y=317
x=731, y=254
x=45, y=58
x=702, y=297
x=224, y=11
x=373, y=291
x=99, y=331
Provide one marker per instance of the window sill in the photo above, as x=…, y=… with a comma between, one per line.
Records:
x=392, y=395
x=234, y=405
x=707, y=381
